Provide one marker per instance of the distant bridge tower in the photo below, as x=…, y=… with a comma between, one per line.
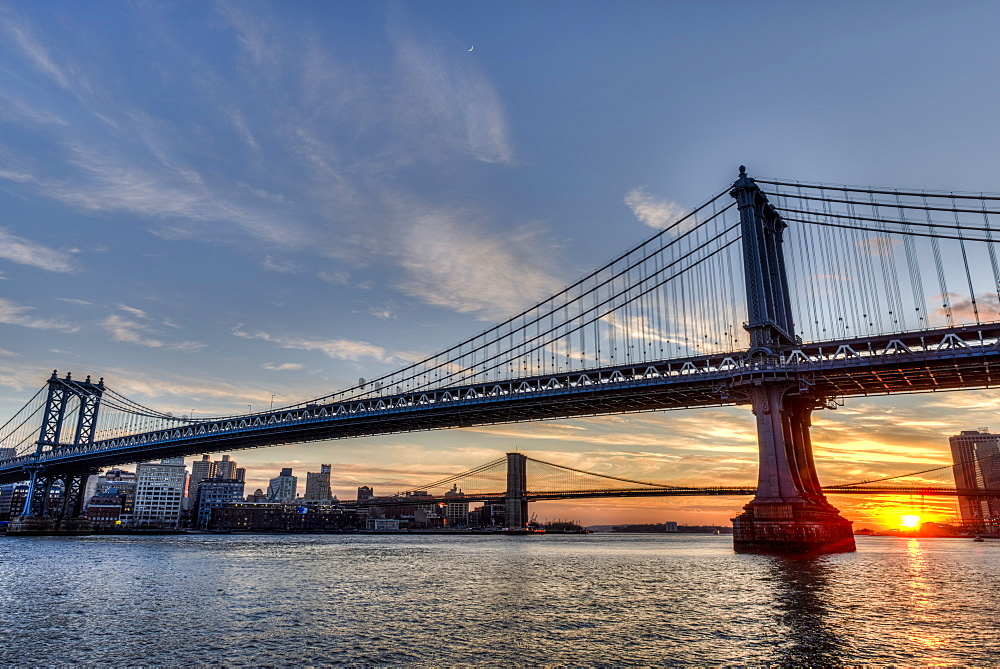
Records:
x=789, y=512
x=517, y=489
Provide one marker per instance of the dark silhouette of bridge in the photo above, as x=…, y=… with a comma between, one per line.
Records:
x=785, y=296
x=522, y=477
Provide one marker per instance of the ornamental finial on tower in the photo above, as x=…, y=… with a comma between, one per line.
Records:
x=743, y=182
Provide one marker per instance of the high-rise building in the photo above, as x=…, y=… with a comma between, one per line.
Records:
x=318, y=484
x=976, y=454
x=216, y=493
x=225, y=468
x=200, y=470
x=241, y=474
x=365, y=493
x=7, y=453
x=159, y=490
x=282, y=488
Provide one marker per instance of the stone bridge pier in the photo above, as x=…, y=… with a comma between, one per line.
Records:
x=790, y=513
x=40, y=515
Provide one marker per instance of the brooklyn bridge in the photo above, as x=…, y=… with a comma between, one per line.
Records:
x=784, y=296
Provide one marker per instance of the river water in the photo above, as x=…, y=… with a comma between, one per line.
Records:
x=433, y=600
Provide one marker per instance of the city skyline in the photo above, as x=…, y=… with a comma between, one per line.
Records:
x=279, y=202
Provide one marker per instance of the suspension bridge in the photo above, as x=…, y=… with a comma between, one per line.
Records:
x=522, y=477
x=785, y=296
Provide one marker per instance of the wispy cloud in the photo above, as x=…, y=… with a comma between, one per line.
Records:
x=963, y=310
x=338, y=349
x=21, y=35
x=454, y=262
x=653, y=211
x=252, y=32
x=138, y=313
x=878, y=246
x=340, y=278
x=16, y=109
x=134, y=332
x=445, y=94
x=283, y=367
x=280, y=266
x=242, y=129
x=26, y=252
x=12, y=313
x=137, y=162
x=383, y=313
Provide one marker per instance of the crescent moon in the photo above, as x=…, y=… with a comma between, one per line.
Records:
x=472, y=47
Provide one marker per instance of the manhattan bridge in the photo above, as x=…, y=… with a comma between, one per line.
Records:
x=785, y=296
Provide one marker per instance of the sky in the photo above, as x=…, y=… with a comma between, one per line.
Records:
x=217, y=204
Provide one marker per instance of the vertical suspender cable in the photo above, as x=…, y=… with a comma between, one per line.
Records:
x=939, y=267
x=993, y=258
x=965, y=261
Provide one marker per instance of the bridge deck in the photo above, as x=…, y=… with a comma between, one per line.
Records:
x=944, y=359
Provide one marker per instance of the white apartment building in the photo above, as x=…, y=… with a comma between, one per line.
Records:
x=457, y=513
x=159, y=492
x=282, y=487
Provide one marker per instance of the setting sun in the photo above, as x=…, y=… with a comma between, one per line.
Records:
x=909, y=522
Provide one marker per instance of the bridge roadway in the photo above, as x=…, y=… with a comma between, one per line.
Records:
x=714, y=491
x=942, y=359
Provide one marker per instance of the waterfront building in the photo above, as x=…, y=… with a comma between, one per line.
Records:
x=976, y=454
x=492, y=513
x=318, y=484
x=427, y=517
x=160, y=487
x=282, y=488
x=216, y=493
x=116, y=482
x=382, y=524
x=105, y=510
x=277, y=517
x=365, y=493
x=12, y=496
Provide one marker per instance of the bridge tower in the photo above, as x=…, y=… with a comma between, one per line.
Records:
x=517, y=488
x=789, y=513
x=39, y=515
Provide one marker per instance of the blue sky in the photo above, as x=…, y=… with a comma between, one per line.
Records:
x=208, y=203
